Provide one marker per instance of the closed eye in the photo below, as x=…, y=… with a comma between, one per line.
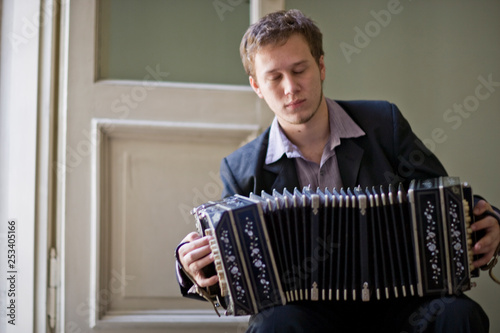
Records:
x=299, y=69
x=274, y=77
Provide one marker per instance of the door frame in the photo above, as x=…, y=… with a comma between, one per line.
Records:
x=27, y=128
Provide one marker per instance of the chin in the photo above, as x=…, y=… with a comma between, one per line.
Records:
x=300, y=121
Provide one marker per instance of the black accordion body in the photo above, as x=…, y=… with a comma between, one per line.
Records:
x=341, y=245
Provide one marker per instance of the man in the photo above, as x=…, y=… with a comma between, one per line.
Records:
x=320, y=142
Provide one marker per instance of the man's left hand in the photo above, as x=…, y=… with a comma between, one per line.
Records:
x=487, y=245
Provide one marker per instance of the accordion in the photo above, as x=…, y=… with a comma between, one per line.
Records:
x=340, y=245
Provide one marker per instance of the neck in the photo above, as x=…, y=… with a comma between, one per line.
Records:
x=311, y=136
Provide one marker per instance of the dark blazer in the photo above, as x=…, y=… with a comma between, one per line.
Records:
x=389, y=153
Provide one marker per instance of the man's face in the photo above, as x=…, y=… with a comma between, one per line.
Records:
x=289, y=80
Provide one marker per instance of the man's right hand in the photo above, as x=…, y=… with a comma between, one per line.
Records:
x=195, y=255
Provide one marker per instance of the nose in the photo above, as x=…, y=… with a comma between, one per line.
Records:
x=290, y=84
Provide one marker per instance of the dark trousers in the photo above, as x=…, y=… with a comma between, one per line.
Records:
x=416, y=314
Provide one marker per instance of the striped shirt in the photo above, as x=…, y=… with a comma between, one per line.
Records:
x=326, y=174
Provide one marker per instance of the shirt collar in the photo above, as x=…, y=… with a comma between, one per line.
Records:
x=341, y=127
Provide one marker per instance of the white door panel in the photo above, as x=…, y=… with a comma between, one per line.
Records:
x=138, y=155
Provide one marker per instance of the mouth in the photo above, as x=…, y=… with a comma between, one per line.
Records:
x=295, y=104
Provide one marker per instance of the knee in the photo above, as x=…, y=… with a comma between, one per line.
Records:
x=273, y=319
x=288, y=318
x=449, y=312
x=458, y=307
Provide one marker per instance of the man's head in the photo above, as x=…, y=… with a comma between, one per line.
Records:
x=275, y=29
x=284, y=58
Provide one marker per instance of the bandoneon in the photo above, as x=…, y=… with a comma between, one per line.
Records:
x=341, y=245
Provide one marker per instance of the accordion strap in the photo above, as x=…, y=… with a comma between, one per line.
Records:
x=492, y=276
x=491, y=264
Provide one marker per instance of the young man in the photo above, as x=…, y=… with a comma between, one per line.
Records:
x=321, y=142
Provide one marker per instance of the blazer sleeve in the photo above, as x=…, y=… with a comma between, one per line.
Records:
x=413, y=159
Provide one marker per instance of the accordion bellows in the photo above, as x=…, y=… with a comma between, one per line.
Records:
x=341, y=245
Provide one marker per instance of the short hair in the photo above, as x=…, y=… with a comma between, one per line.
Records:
x=276, y=28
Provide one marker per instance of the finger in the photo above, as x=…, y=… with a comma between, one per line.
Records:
x=205, y=282
x=484, y=245
x=198, y=264
x=484, y=223
x=481, y=207
x=193, y=253
x=192, y=236
x=487, y=247
x=193, y=244
x=491, y=238
x=483, y=260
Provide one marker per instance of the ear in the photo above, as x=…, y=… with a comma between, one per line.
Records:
x=255, y=86
x=322, y=69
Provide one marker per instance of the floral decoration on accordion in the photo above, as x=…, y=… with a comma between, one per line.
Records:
x=456, y=239
x=232, y=266
x=432, y=242
x=257, y=257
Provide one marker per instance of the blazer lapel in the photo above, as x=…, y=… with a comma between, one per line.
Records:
x=349, y=156
x=280, y=174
